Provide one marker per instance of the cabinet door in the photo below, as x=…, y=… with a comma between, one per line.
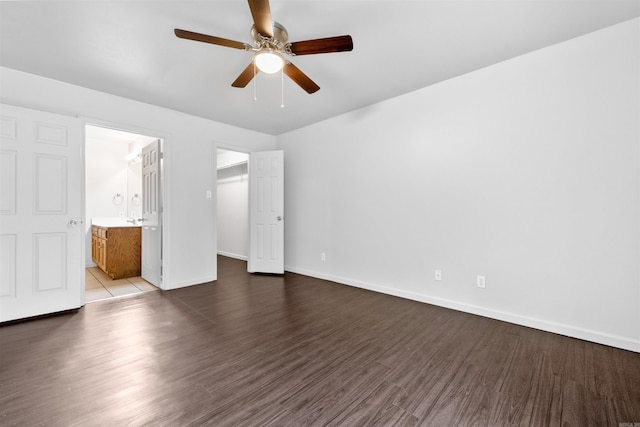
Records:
x=93, y=248
x=103, y=254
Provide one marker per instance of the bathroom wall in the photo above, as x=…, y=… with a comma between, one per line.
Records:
x=106, y=176
x=111, y=170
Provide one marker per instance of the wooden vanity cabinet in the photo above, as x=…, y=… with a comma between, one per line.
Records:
x=116, y=250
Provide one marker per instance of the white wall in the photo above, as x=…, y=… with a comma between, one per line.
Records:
x=527, y=172
x=233, y=212
x=106, y=176
x=189, y=233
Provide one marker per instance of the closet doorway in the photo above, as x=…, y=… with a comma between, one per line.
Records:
x=232, y=207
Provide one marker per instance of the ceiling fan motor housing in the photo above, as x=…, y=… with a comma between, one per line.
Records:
x=280, y=37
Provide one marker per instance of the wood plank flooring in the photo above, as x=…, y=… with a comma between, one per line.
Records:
x=252, y=350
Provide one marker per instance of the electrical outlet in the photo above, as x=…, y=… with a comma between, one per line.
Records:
x=323, y=256
x=437, y=274
x=480, y=281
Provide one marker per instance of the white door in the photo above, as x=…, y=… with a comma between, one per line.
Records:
x=41, y=258
x=151, y=214
x=266, y=211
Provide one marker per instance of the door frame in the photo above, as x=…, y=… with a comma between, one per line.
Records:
x=164, y=187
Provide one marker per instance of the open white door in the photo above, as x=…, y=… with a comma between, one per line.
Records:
x=41, y=264
x=266, y=211
x=151, y=214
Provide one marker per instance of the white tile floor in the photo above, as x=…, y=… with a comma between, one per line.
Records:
x=100, y=286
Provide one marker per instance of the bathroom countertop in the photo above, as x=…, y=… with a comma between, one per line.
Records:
x=113, y=222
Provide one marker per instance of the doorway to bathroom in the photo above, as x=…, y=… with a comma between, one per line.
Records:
x=122, y=212
x=232, y=203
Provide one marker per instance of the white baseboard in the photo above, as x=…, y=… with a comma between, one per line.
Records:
x=232, y=255
x=544, y=325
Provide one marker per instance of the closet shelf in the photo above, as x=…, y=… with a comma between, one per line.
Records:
x=231, y=165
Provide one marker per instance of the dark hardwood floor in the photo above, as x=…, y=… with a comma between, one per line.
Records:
x=286, y=351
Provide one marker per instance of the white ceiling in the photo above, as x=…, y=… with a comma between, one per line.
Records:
x=128, y=48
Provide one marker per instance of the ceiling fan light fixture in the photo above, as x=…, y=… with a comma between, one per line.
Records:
x=271, y=43
x=268, y=62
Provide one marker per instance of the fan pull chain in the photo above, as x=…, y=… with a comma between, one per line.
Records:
x=255, y=96
x=282, y=86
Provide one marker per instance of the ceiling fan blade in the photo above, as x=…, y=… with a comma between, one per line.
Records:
x=190, y=35
x=300, y=78
x=261, y=13
x=326, y=45
x=245, y=77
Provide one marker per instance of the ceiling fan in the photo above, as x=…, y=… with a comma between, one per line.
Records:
x=271, y=43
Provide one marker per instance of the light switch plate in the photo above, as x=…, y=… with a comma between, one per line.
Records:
x=480, y=281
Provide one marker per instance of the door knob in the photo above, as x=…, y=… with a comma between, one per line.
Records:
x=73, y=222
x=279, y=218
